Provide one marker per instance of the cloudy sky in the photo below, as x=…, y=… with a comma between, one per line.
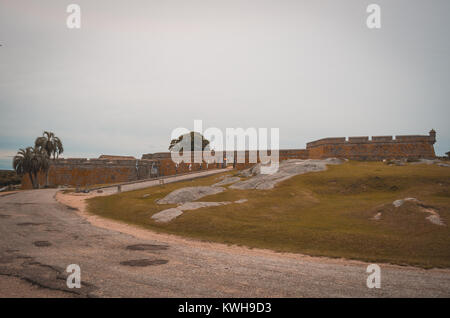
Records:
x=138, y=69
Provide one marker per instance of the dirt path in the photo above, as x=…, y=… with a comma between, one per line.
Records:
x=109, y=254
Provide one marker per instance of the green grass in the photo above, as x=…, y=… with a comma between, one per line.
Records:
x=323, y=214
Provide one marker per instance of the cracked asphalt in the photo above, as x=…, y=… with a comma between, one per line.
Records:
x=41, y=237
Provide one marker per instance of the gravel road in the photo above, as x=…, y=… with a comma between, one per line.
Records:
x=41, y=237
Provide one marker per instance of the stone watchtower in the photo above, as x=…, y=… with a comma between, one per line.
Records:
x=432, y=136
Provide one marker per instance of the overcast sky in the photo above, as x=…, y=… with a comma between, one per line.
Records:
x=138, y=69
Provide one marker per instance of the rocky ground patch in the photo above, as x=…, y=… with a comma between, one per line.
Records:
x=409, y=206
x=170, y=214
x=287, y=170
x=189, y=194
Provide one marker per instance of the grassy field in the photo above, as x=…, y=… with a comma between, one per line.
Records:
x=325, y=213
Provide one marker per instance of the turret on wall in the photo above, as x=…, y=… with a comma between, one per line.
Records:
x=432, y=136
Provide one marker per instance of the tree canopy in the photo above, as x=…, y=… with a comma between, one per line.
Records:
x=33, y=160
x=30, y=161
x=192, y=141
x=50, y=143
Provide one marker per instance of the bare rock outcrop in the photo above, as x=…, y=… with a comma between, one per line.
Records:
x=287, y=169
x=433, y=216
x=226, y=181
x=172, y=213
x=189, y=194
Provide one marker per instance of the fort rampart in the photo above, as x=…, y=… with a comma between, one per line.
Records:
x=83, y=172
x=376, y=148
x=115, y=169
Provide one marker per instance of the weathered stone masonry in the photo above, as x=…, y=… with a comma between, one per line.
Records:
x=83, y=172
x=114, y=169
x=377, y=148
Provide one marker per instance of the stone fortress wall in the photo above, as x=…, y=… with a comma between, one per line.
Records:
x=377, y=148
x=119, y=169
x=84, y=172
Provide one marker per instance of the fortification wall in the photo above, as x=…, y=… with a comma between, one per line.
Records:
x=83, y=172
x=168, y=167
x=249, y=157
x=117, y=169
x=377, y=148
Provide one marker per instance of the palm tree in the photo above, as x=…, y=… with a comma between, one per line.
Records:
x=52, y=145
x=31, y=161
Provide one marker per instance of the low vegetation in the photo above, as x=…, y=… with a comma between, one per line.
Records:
x=327, y=213
x=9, y=177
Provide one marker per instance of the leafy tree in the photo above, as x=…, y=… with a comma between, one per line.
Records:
x=52, y=145
x=196, y=140
x=31, y=161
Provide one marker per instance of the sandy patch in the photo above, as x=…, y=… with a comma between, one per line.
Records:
x=8, y=192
